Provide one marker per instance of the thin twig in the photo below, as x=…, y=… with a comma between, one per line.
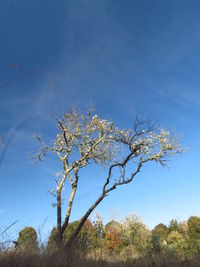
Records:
x=6, y=145
x=8, y=227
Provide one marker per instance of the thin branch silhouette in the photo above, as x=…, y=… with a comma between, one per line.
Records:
x=11, y=137
x=8, y=227
x=19, y=77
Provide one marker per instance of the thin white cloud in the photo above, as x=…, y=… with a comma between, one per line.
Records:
x=177, y=93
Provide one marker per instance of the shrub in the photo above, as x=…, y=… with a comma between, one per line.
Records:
x=27, y=239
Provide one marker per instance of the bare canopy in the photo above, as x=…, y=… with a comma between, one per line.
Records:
x=84, y=138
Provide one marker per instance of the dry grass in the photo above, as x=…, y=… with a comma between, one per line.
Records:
x=72, y=259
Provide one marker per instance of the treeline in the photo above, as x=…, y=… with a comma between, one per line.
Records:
x=126, y=240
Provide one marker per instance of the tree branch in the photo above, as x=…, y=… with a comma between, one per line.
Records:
x=71, y=199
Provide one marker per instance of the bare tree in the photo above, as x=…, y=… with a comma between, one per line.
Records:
x=85, y=138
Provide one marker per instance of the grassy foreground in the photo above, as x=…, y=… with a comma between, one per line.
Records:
x=30, y=259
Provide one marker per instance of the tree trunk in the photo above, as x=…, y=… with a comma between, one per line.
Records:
x=65, y=224
x=82, y=221
x=59, y=234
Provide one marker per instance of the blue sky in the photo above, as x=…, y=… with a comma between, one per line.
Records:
x=125, y=57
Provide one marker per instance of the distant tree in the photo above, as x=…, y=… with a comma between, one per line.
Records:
x=85, y=138
x=112, y=236
x=161, y=230
x=159, y=236
x=52, y=243
x=85, y=237
x=177, y=244
x=156, y=243
x=27, y=239
x=173, y=225
x=135, y=235
x=174, y=237
x=183, y=229
x=98, y=240
x=98, y=226
x=194, y=234
x=194, y=227
x=83, y=240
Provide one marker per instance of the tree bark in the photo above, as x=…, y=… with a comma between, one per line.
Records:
x=65, y=224
x=59, y=236
x=82, y=221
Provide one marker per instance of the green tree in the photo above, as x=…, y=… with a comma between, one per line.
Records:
x=156, y=244
x=27, y=239
x=161, y=230
x=176, y=243
x=99, y=232
x=52, y=242
x=194, y=234
x=159, y=235
x=83, y=139
x=173, y=225
x=183, y=229
x=135, y=235
x=84, y=240
x=194, y=227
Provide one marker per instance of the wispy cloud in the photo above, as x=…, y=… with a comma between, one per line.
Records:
x=185, y=97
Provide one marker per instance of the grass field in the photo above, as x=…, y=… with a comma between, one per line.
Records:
x=29, y=259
